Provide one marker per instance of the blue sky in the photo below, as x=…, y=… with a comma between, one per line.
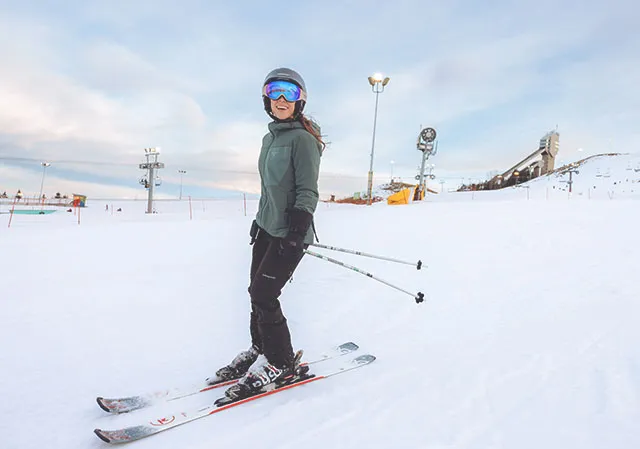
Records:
x=89, y=85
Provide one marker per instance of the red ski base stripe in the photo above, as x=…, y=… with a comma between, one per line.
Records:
x=261, y=395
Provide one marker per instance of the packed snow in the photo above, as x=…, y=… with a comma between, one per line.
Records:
x=528, y=337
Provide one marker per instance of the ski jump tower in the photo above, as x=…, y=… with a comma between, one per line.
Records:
x=549, y=145
x=540, y=162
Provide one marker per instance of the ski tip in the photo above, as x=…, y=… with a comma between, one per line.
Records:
x=100, y=402
x=98, y=432
x=364, y=359
x=348, y=346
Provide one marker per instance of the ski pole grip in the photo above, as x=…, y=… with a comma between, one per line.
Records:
x=419, y=297
x=419, y=264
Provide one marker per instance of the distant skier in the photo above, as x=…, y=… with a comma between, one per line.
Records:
x=289, y=164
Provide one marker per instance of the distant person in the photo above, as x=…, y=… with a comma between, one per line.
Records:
x=289, y=165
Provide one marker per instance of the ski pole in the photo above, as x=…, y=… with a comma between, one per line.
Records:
x=418, y=265
x=419, y=297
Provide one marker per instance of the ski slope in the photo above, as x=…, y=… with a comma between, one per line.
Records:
x=598, y=177
x=528, y=337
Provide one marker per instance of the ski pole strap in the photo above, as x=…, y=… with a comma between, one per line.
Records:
x=418, y=265
x=419, y=297
x=315, y=234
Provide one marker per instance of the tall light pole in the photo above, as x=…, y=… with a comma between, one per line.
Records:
x=44, y=172
x=182, y=172
x=377, y=83
x=392, y=162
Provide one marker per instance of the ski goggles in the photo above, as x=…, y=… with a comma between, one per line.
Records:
x=290, y=91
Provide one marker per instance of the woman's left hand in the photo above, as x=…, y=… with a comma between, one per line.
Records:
x=291, y=245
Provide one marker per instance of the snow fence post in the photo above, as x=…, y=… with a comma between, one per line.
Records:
x=12, y=209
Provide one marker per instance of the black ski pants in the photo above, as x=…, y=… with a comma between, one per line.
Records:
x=270, y=271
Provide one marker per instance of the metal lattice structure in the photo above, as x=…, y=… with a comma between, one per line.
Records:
x=151, y=180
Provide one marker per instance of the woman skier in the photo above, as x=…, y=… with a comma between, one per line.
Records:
x=289, y=164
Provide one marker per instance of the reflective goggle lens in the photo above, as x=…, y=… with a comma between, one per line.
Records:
x=277, y=89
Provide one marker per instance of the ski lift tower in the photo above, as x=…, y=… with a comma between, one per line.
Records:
x=149, y=180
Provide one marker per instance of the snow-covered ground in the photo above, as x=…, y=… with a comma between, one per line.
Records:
x=528, y=337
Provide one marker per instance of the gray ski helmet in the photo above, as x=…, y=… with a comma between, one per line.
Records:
x=285, y=74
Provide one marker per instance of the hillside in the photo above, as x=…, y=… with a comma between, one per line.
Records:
x=527, y=338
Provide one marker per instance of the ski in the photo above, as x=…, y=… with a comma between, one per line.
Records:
x=131, y=403
x=128, y=434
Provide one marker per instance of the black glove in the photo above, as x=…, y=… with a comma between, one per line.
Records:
x=299, y=223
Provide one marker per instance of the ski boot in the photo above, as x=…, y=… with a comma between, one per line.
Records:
x=237, y=368
x=263, y=376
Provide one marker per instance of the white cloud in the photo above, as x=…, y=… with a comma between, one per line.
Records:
x=101, y=81
x=29, y=181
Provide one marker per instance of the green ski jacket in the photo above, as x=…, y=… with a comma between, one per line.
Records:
x=289, y=165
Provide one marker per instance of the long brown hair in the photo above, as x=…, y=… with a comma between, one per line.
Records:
x=310, y=126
